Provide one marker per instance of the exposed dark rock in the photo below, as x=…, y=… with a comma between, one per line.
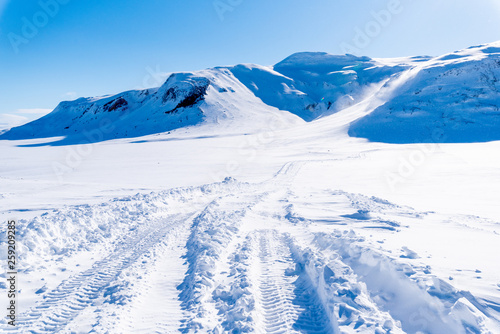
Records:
x=196, y=95
x=115, y=104
x=170, y=94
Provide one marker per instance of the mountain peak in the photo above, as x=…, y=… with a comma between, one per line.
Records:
x=319, y=59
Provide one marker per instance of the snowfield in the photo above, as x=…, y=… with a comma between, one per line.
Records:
x=233, y=200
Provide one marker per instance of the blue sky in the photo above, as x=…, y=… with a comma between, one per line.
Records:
x=54, y=50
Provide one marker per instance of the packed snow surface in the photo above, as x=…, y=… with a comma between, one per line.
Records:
x=233, y=200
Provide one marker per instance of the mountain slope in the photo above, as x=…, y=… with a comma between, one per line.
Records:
x=315, y=84
x=211, y=98
x=238, y=99
x=453, y=98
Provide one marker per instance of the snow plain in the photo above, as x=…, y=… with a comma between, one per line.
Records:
x=256, y=222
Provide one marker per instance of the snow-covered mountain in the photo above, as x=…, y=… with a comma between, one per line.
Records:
x=313, y=85
x=452, y=98
x=210, y=97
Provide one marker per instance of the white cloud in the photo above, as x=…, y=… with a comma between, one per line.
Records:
x=21, y=116
x=8, y=121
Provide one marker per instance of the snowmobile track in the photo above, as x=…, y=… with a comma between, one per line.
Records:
x=289, y=302
x=63, y=304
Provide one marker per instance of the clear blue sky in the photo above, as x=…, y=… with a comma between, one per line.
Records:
x=96, y=47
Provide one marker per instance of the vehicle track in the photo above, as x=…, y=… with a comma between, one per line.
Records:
x=155, y=306
x=288, y=301
x=236, y=262
x=63, y=304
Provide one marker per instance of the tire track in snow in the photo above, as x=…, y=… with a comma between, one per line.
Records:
x=156, y=307
x=63, y=304
x=288, y=302
x=234, y=297
x=211, y=242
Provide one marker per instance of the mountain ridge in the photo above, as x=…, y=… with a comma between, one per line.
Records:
x=455, y=93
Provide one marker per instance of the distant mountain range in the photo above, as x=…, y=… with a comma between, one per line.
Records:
x=452, y=98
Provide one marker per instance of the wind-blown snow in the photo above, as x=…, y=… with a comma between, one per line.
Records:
x=453, y=98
